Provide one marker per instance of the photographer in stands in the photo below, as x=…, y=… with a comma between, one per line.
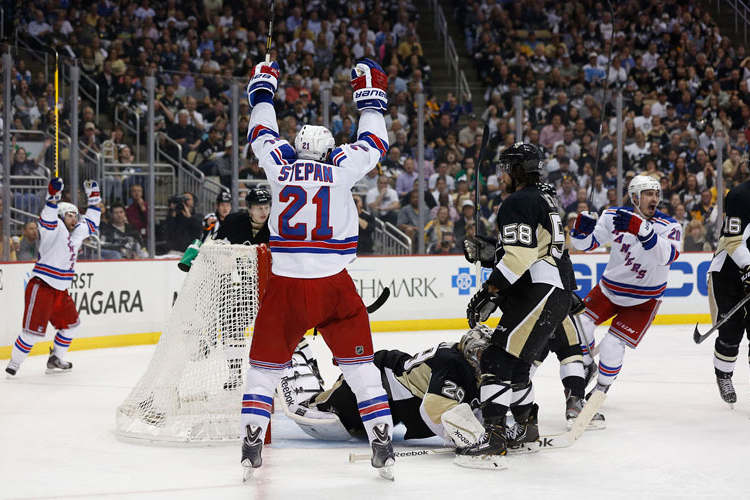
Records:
x=181, y=226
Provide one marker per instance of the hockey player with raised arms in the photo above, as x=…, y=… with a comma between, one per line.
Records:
x=46, y=297
x=728, y=284
x=313, y=226
x=644, y=243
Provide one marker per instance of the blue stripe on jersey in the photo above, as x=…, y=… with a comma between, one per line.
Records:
x=45, y=273
x=648, y=241
x=634, y=287
x=345, y=240
x=312, y=250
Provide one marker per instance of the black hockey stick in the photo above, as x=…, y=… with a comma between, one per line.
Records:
x=480, y=159
x=698, y=338
x=379, y=301
x=270, y=32
x=604, y=102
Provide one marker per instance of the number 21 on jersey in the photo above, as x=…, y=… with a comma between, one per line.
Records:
x=297, y=197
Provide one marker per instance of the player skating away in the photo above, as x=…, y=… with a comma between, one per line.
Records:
x=46, y=297
x=565, y=343
x=313, y=225
x=728, y=283
x=644, y=243
x=531, y=283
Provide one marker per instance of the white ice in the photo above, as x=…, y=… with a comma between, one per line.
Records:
x=668, y=435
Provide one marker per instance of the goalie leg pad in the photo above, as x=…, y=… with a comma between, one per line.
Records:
x=318, y=424
x=462, y=426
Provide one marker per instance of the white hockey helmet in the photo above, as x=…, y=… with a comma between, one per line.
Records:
x=66, y=208
x=314, y=142
x=473, y=343
x=641, y=183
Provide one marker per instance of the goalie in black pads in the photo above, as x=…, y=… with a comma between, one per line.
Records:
x=728, y=283
x=531, y=283
x=431, y=393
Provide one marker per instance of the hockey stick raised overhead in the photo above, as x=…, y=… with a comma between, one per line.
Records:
x=379, y=301
x=698, y=338
x=548, y=442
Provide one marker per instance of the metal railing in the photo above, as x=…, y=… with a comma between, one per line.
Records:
x=389, y=240
x=136, y=131
x=89, y=159
x=88, y=87
x=741, y=13
x=189, y=178
x=452, y=60
x=120, y=176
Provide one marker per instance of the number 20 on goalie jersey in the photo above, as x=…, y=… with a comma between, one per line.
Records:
x=313, y=221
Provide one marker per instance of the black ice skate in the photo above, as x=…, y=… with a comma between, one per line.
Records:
x=383, y=458
x=57, y=365
x=523, y=430
x=573, y=407
x=489, y=452
x=598, y=387
x=252, y=446
x=11, y=369
x=726, y=388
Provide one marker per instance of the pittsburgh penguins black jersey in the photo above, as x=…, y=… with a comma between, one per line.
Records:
x=237, y=229
x=440, y=376
x=531, y=237
x=735, y=234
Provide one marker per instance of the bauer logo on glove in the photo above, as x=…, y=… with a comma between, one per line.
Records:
x=369, y=83
x=264, y=79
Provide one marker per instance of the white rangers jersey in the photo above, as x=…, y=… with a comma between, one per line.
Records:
x=313, y=221
x=58, y=248
x=637, y=270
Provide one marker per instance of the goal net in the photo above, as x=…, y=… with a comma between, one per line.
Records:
x=191, y=392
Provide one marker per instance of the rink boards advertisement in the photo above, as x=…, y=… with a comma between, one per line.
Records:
x=128, y=302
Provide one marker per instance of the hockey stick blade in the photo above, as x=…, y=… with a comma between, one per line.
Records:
x=420, y=452
x=379, y=301
x=698, y=338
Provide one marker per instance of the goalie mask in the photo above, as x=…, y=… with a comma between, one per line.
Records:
x=473, y=344
x=314, y=142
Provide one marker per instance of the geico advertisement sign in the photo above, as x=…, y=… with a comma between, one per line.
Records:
x=430, y=280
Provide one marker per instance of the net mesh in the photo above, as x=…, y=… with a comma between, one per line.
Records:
x=191, y=392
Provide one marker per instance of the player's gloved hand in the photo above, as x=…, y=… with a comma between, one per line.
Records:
x=585, y=224
x=93, y=194
x=481, y=248
x=626, y=221
x=481, y=305
x=264, y=79
x=209, y=222
x=55, y=189
x=369, y=83
x=577, y=306
x=745, y=277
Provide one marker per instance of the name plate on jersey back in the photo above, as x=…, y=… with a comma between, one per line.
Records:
x=301, y=171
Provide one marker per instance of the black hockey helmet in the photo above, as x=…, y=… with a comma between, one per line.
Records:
x=257, y=196
x=528, y=156
x=224, y=197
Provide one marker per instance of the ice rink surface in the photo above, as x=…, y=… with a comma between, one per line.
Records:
x=668, y=435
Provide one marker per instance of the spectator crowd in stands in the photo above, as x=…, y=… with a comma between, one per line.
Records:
x=684, y=87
